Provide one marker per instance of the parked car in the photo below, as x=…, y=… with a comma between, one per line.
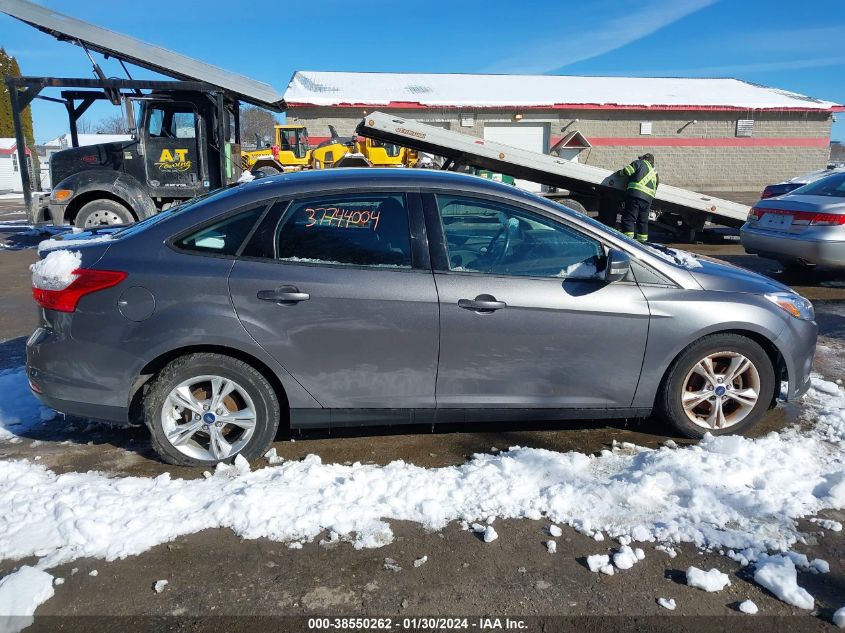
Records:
x=370, y=297
x=802, y=228
x=782, y=188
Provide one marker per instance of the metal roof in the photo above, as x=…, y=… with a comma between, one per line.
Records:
x=130, y=49
x=445, y=90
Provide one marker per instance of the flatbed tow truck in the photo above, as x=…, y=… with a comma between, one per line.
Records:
x=680, y=211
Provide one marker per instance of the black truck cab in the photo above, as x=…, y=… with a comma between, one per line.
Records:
x=175, y=154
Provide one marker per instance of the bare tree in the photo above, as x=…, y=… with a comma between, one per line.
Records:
x=837, y=152
x=84, y=126
x=257, y=121
x=111, y=125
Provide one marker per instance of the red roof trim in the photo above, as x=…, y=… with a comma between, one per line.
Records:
x=760, y=141
x=412, y=105
x=12, y=150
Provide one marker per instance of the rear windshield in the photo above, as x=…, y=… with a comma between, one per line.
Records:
x=833, y=186
x=188, y=204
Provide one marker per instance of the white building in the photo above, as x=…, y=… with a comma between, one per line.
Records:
x=10, y=170
x=63, y=142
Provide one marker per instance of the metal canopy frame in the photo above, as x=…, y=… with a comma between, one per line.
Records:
x=23, y=90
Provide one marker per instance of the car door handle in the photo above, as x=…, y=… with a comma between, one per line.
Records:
x=484, y=304
x=284, y=296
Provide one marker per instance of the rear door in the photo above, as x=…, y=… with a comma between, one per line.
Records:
x=526, y=319
x=335, y=288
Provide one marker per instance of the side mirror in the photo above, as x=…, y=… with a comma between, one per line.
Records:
x=618, y=266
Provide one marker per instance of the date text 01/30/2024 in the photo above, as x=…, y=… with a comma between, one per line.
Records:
x=417, y=624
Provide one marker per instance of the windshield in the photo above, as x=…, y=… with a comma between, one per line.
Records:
x=832, y=186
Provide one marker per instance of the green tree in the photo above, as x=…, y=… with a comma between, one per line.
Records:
x=9, y=68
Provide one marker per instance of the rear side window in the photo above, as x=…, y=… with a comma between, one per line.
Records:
x=223, y=237
x=353, y=229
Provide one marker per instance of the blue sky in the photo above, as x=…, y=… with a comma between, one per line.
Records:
x=763, y=41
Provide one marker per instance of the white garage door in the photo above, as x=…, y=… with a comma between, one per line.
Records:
x=530, y=137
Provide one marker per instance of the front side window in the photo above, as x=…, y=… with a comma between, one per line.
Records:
x=491, y=237
x=354, y=229
x=223, y=237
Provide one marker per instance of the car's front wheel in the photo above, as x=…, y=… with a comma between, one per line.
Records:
x=207, y=408
x=722, y=384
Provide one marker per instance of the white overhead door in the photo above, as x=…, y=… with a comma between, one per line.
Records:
x=523, y=136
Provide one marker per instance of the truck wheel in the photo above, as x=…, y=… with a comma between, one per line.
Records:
x=573, y=204
x=263, y=172
x=207, y=408
x=102, y=212
x=722, y=384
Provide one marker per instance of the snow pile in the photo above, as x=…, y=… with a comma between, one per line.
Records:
x=778, y=575
x=551, y=546
x=159, y=585
x=746, y=606
x=600, y=563
x=55, y=271
x=712, y=580
x=580, y=270
x=21, y=593
x=555, y=531
x=839, y=618
x=60, y=242
x=246, y=176
x=626, y=557
x=667, y=603
x=419, y=562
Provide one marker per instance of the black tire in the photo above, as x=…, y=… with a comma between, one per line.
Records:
x=573, y=204
x=186, y=367
x=669, y=405
x=102, y=212
x=264, y=172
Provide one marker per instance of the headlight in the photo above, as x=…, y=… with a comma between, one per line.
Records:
x=796, y=305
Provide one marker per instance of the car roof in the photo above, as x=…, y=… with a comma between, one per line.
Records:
x=371, y=176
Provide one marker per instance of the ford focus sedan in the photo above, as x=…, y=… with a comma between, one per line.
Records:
x=372, y=297
x=801, y=229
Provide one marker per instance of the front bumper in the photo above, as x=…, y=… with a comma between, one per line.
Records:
x=783, y=246
x=797, y=344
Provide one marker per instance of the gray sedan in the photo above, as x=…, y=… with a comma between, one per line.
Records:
x=370, y=297
x=802, y=228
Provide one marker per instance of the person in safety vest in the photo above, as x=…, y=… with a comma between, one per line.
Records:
x=642, y=185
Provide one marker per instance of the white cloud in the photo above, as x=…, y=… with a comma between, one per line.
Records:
x=570, y=45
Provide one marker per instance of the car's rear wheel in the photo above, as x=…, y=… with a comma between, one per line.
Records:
x=103, y=212
x=722, y=384
x=207, y=408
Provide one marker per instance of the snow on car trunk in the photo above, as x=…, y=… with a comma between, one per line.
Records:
x=727, y=493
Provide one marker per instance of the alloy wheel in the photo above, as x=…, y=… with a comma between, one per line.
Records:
x=209, y=418
x=720, y=390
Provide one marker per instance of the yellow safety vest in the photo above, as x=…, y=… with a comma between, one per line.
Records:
x=647, y=184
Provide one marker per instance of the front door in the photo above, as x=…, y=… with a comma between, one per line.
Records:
x=526, y=319
x=329, y=288
x=172, y=152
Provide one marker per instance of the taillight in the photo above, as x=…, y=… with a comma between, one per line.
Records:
x=767, y=193
x=85, y=282
x=753, y=214
x=827, y=219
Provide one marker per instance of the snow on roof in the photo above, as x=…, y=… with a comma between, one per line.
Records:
x=88, y=139
x=9, y=146
x=497, y=91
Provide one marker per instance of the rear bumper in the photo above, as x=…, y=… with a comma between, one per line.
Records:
x=793, y=247
x=65, y=378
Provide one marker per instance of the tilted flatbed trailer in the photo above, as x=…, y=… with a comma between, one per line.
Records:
x=680, y=210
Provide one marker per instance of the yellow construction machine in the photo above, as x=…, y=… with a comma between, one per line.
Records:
x=292, y=152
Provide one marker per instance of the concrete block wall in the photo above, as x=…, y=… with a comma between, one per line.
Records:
x=731, y=167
